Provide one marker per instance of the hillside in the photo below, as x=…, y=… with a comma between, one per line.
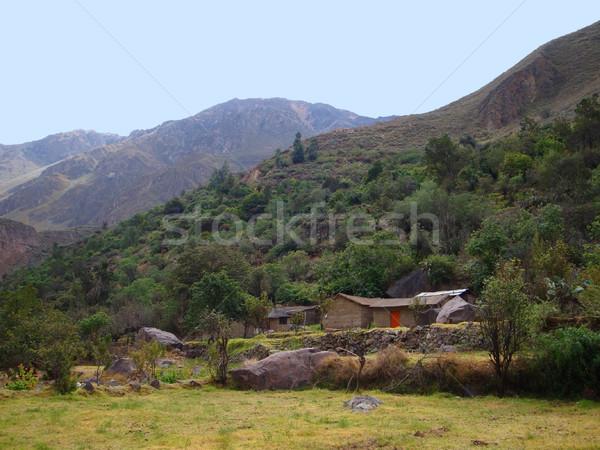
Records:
x=21, y=244
x=115, y=181
x=22, y=162
x=545, y=85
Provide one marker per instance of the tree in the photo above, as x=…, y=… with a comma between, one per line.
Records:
x=503, y=318
x=216, y=292
x=220, y=328
x=278, y=160
x=257, y=311
x=145, y=358
x=297, y=319
x=97, y=341
x=445, y=159
x=298, y=151
x=312, y=149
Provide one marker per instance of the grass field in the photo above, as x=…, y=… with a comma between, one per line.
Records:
x=222, y=418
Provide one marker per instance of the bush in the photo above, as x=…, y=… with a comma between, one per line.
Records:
x=440, y=269
x=567, y=363
x=22, y=379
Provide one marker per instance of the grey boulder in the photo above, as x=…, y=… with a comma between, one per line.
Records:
x=148, y=334
x=122, y=366
x=456, y=311
x=283, y=370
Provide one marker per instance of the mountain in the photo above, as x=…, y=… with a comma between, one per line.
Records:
x=21, y=245
x=114, y=181
x=21, y=162
x=545, y=85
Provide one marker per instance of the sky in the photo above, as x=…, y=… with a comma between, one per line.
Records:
x=117, y=66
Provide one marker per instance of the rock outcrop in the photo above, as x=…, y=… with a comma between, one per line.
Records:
x=456, y=311
x=148, y=334
x=122, y=366
x=283, y=370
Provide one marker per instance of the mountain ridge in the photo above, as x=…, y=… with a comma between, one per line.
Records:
x=114, y=181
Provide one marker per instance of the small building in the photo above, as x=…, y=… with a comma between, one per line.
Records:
x=399, y=312
x=279, y=317
x=350, y=311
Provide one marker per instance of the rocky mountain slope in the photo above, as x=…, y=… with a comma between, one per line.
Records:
x=114, y=181
x=21, y=162
x=545, y=85
x=21, y=244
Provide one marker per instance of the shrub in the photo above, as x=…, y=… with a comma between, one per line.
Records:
x=567, y=363
x=22, y=379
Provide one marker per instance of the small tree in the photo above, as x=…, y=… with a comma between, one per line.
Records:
x=298, y=152
x=503, y=320
x=145, y=358
x=220, y=325
x=297, y=319
x=257, y=310
x=417, y=306
x=312, y=149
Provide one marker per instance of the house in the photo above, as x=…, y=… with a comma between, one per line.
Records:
x=396, y=312
x=350, y=311
x=279, y=317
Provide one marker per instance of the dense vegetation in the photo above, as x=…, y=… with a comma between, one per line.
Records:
x=296, y=234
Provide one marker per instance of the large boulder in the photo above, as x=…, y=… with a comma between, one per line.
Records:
x=148, y=334
x=122, y=366
x=283, y=370
x=409, y=285
x=456, y=311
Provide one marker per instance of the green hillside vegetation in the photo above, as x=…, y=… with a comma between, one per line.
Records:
x=458, y=209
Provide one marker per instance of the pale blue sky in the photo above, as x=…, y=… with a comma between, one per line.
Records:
x=61, y=70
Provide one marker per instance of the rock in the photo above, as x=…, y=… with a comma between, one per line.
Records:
x=457, y=311
x=155, y=384
x=259, y=352
x=362, y=403
x=192, y=384
x=448, y=348
x=283, y=370
x=148, y=334
x=135, y=386
x=428, y=317
x=409, y=285
x=122, y=366
x=164, y=363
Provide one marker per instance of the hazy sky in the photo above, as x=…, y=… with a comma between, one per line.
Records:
x=116, y=66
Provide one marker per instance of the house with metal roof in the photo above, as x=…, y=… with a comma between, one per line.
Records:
x=350, y=311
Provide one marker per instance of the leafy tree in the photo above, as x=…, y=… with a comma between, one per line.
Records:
x=216, y=292
x=503, y=318
x=96, y=339
x=257, y=311
x=220, y=330
x=516, y=164
x=298, y=151
x=374, y=171
x=59, y=349
x=297, y=319
x=312, y=149
x=445, y=159
x=222, y=180
x=440, y=269
x=586, y=130
x=364, y=270
x=146, y=358
x=278, y=158
x=174, y=206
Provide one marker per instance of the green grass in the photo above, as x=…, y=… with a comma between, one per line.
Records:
x=214, y=418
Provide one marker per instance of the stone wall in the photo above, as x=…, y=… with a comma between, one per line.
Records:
x=427, y=338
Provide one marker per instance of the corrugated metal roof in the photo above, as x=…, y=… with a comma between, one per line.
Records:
x=452, y=293
x=397, y=302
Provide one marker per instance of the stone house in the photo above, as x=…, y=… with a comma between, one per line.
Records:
x=279, y=317
x=350, y=311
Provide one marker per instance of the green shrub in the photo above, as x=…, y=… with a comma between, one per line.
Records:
x=567, y=363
